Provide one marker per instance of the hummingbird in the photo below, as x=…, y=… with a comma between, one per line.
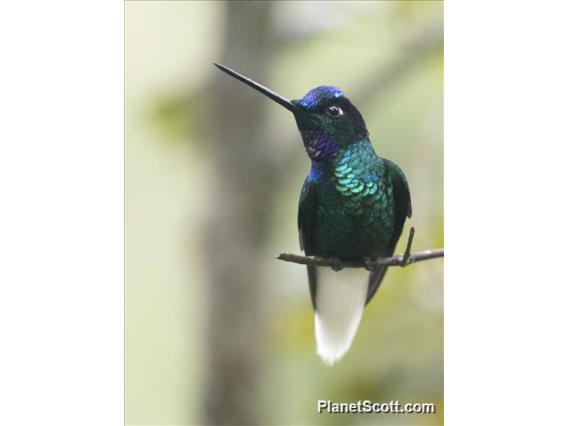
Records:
x=353, y=205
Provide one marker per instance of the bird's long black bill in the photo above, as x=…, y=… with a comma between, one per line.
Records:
x=264, y=90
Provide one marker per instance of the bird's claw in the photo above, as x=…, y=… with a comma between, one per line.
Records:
x=369, y=264
x=336, y=264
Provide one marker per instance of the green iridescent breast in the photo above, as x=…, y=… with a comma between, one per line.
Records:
x=356, y=204
x=361, y=176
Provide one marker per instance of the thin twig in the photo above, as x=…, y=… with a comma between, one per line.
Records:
x=397, y=260
x=408, y=247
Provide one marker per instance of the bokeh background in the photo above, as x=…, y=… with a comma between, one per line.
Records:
x=217, y=330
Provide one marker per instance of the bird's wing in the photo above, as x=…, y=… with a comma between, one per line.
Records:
x=306, y=224
x=402, y=203
x=402, y=210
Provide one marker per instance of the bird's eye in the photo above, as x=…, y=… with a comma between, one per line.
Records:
x=334, y=111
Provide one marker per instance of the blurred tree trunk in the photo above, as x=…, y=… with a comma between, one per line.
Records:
x=241, y=193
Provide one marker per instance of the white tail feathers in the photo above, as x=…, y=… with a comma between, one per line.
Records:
x=339, y=308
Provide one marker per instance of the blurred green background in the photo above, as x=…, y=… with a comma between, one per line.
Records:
x=217, y=330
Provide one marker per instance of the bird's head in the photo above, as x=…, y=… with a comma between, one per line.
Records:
x=327, y=120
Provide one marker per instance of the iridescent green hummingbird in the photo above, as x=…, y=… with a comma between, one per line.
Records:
x=353, y=206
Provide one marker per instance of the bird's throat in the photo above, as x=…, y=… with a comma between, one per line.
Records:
x=320, y=147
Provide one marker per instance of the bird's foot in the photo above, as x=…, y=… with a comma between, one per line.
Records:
x=336, y=264
x=369, y=264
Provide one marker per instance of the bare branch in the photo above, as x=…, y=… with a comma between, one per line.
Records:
x=369, y=264
x=398, y=260
x=408, y=246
